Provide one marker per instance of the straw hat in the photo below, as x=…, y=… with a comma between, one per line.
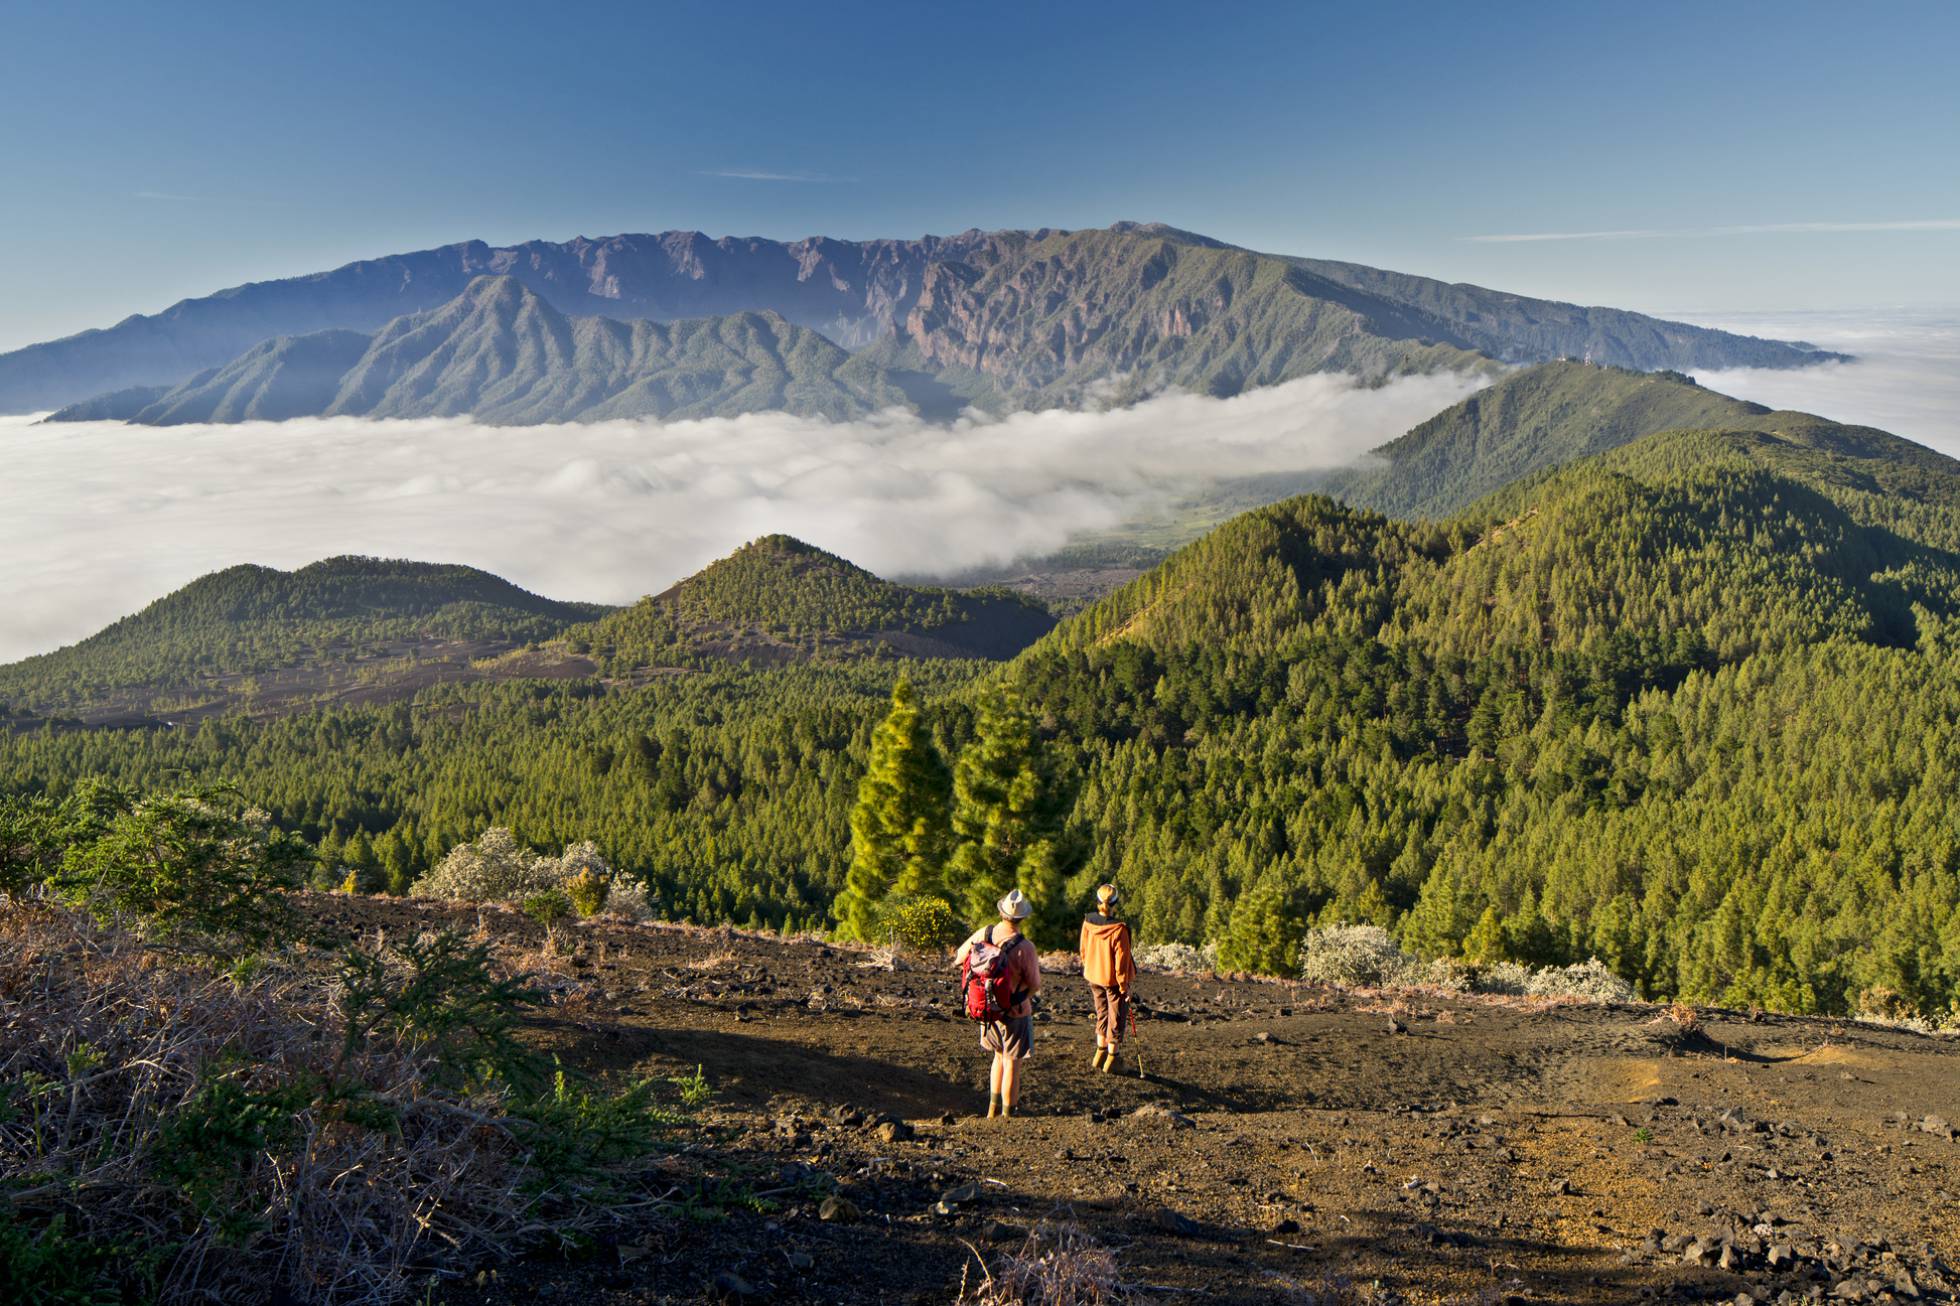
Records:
x=1015, y=907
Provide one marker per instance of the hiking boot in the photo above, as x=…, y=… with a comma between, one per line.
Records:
x=1006, y=1110
x=993, y=1107
x=1109, y=1062
x=1096, y=1062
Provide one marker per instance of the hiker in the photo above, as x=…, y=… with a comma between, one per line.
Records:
x=1111, y=968
x=1000, y=977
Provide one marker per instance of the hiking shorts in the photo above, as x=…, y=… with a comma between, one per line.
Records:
x=1013, y=1036
x=1112, y=1014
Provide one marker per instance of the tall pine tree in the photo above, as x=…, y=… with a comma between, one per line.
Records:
x=898, y=828
x=1012, y=792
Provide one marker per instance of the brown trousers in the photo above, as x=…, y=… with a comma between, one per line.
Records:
x=1112, y=1014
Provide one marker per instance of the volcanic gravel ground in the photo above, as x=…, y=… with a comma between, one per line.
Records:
x=1283, y=1143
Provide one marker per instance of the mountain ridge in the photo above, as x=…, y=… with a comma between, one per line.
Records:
x=1540, y=417
x=248, y=632
x=500, y=353
x=1091, y=306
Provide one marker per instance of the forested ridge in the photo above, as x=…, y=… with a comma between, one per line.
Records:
x=1690, y=706
x=778, y=599
x=1526, y=422
x=251, y=619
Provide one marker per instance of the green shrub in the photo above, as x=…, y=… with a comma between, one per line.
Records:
x=30, y=844
x=548, y=908
x=695, y=1090
x=588, y=891
x=439, y=996
x=208, y=1145
x=41, y=1262
x=924, y=924
x=186, y=866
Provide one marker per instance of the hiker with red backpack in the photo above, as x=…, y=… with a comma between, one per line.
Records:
x=999, y=977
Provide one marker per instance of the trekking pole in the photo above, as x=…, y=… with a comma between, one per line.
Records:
x=1136, y=1046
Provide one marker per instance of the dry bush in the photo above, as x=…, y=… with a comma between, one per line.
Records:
x=187, y=1135
x=1684, y=1016
x=1442, y=974
x=1055, y=1267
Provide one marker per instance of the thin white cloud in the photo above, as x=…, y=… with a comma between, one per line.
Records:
x=1749, y=229
x=1630, y=233
x=759, y=174
x=97, y=519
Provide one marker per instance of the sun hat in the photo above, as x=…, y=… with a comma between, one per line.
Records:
x=1015, y=907
x=1107, y=895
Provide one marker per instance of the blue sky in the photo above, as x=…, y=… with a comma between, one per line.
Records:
x=1740, y=156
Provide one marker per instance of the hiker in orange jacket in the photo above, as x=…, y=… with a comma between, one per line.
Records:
x=1110, y=966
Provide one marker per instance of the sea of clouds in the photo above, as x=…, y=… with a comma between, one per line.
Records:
x=98, y=519
x=1904, y=376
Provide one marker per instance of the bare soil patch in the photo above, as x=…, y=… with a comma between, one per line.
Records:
x=1283, y=1143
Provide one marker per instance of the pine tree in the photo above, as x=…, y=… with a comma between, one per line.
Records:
x=1012, y=793
x=1265, y=932
x=1486, y=941
x=898, y=828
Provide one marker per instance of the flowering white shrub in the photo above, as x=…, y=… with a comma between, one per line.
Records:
x=1507, y=977
x=1367, y=956
x=1356, y=957
x=1451, y=974
x=1179, y=958
x=1589, y=981
x=495, y=867
x=628, y=899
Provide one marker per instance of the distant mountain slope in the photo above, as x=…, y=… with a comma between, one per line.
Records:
x=1689, y=707
x=248, y=633
x=504, y=355
x=1545, y=416
x=1013, y=317
x=780, y=600
x=1734, y=540
x=1069, y=316
x=1517, y=329
x=292, y=376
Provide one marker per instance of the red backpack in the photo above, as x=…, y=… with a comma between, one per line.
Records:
x=985, y=978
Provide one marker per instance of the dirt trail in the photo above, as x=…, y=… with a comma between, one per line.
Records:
x=1285, y=1143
